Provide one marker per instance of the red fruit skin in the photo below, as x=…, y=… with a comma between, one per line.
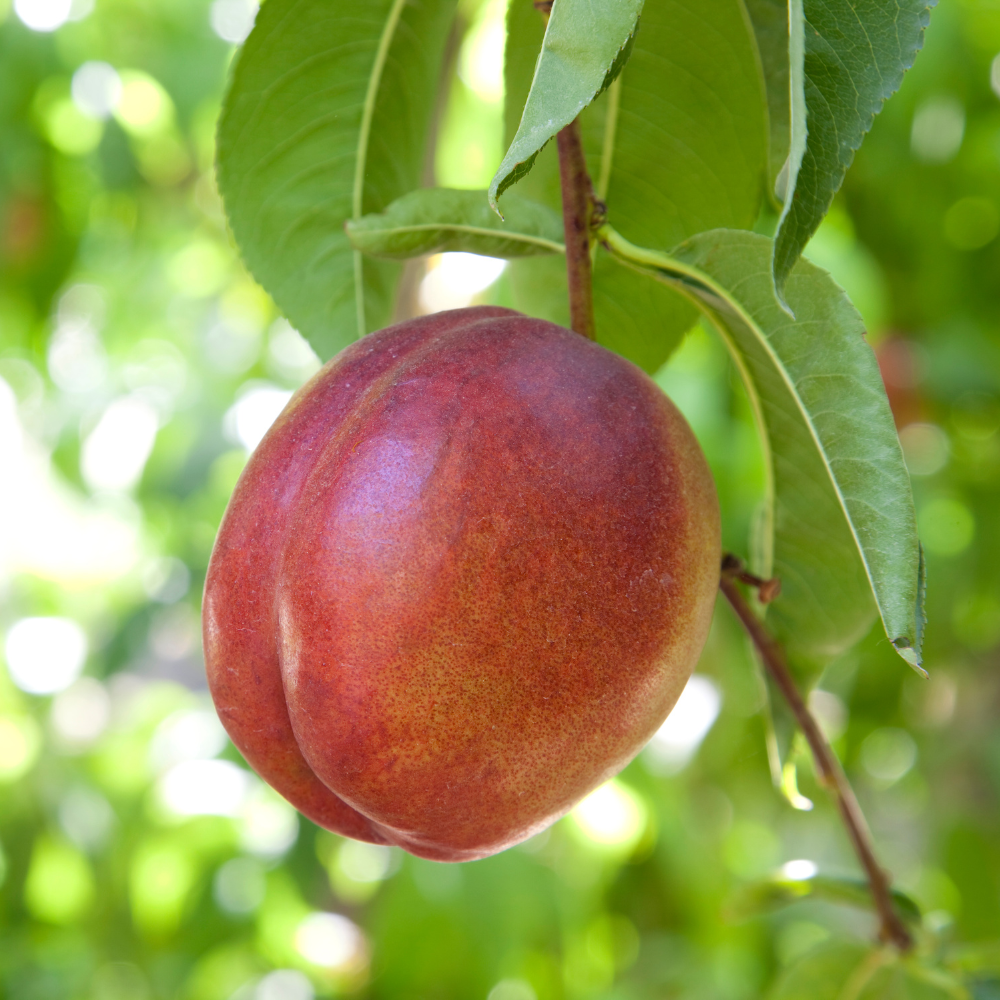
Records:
x=461, y=582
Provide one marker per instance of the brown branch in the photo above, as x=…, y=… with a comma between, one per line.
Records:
x=578, y=211
x=830, y=773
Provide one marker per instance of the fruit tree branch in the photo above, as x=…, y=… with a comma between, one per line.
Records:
x=578, y=204
x=831, y=776
x=578, y=210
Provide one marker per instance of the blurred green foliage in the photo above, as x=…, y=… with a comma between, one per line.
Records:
x=140, y=859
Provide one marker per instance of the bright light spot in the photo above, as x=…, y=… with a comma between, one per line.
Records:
x=60, y=885
x=995, y=75
x=195, y=734
x=76, y=359
x=830, y=712
x=86, y=818
x=11, y=435
x=143, y=107
x=512, y=989
x=799, y=870
x=96, y=89
x=454, y=279
x=43, y=15
x=248, y=419
x=232, y=347
x=481, y=60
x=205, y=788
x=331, y=941
x=20, y=742
x=888, y=754
x=678, y=739
x=363, y=862
x=284, y=984
x=289, y=353
x=77, y=362
x=270, y=826
x=790, y=788
x=925, y=448
x=232, y=20
x=239, y=885
x=161, y=877
x=80, y=714
x=938, y=128
x=166, y=580
x=70, y=130
x=45, y=529
x=199, y=269
x=946, y=526
x=115, y=451
x=45, y=655
x=612, y=816
x=156, y=370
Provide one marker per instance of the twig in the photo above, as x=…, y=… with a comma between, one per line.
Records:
x=578, y=212
x=581, y=212
x=830, y=773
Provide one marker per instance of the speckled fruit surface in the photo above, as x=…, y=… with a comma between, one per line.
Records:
x=461, y=582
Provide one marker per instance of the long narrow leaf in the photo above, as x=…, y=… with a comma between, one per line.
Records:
x=840, y=507
x=585, y=46
x=846, y=58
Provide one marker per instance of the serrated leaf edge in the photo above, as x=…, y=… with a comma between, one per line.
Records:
x=499, y=183
x=680, y=276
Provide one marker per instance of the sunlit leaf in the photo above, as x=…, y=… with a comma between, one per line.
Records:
x=846, y=58
x=433, y=220
x=676, y=146
x=840, y=518
x=584, y=48
x=326, y=119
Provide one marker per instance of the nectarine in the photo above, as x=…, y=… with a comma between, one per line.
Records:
x=461, y=582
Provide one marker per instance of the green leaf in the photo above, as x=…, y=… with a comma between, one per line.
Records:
x=326, y=119
x=779, y=891
x=668, y=167
x=977, y=957
x=584, y=48
x=847, y=57
x=433, y=220
x=770, y=25
x=840, y=513
x=847, y=970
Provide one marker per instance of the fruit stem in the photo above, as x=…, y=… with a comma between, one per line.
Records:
x=580, y=214
x=831, y=775
x=578, y=210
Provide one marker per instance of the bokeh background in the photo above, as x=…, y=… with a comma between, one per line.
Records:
x=139, y=364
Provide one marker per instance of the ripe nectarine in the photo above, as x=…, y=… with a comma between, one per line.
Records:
x=461, y=582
